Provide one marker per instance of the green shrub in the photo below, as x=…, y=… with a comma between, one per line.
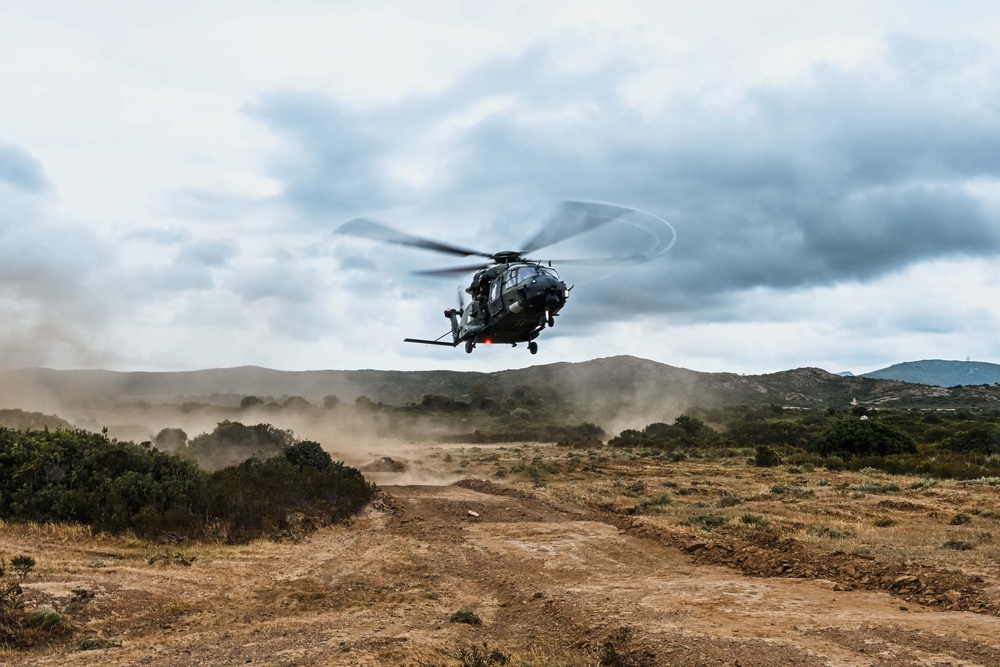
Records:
x=791, y=490
x=706, y=522
x=43, y=618
x=850, y=437
x=755, y=520
x=978, y=439
x=765, y=457
x=232, y=442
x=656, y=502
x=729, y=499
x=81, y=477
x=832, y=533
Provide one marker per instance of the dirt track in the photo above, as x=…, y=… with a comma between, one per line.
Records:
x=550, y=583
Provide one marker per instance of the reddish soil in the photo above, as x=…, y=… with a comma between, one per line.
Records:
x=553, y=584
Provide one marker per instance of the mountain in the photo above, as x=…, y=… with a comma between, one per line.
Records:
x=600, y=389
x=941, y=373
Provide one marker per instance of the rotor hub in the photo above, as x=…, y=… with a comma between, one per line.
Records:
x=507, y=257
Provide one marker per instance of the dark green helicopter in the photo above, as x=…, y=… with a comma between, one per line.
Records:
x=513, y=298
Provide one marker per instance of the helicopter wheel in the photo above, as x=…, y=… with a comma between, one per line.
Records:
x=552, y=321
x=533, y=347
x=469, y=346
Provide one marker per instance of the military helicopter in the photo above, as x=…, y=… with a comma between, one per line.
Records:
x=514, y=298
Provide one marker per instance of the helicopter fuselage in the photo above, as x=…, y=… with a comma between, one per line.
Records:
x=511, y=303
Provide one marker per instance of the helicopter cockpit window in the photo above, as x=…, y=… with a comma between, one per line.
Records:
x=495, y=290
x=528, y=272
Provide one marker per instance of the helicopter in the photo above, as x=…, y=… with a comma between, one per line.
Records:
x=513, y=298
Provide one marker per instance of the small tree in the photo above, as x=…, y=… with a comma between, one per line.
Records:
x=249, y=402
x=22, y=565
x=170, y=440
x=765, y=457
x=296, y=403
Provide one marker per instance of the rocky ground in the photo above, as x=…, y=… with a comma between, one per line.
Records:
x=608, y=560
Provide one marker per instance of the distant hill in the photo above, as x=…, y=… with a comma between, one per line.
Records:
x=941, y=373
x=601, y=390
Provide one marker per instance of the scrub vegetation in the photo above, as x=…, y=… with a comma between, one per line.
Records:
x=74, y=476
x=899, y=502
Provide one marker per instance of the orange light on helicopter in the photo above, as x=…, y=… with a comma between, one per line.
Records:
x=487, y=342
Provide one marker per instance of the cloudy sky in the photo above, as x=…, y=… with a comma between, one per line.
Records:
x=171, y=173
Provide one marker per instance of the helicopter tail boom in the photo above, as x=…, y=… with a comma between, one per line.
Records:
x=430, y=342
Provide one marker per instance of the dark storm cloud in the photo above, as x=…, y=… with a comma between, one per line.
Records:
x=20, y=169
x=847, y=175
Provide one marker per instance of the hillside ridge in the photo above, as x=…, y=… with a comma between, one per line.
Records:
x=602, y=386
x=941, y=372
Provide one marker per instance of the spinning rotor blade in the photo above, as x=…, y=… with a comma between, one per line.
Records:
x=453, y=271
x=368, y=228
x=661, y=234
x=572, y=218
x=601, y=261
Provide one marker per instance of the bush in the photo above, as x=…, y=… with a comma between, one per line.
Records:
x=765, y=457
x=232, y=442
x=43, y=618
x=864, y=437
x=961, y=519
x=81, y=477
x=686, y=432
x=832, y=533
x=978, y=439
x=755, y=520
x=706, y=522
x=729, y=499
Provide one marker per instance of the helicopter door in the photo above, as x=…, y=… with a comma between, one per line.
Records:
x=496, y=304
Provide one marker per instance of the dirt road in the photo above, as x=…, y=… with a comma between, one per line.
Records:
x=551, y=584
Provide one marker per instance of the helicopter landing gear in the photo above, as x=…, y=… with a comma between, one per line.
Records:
x=469, y=346
x=533, y=347
x=547, y=319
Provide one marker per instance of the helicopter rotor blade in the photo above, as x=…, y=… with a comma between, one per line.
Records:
x=370, y=229
x=453, y=271
x=601, y=261
x=661, y=234
x=572, y=218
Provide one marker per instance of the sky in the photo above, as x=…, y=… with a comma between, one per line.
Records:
x=171, y=175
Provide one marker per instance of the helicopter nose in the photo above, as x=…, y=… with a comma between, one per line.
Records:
x=544, y=292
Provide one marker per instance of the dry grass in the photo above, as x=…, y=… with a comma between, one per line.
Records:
x=830, y=511
x=385, y=586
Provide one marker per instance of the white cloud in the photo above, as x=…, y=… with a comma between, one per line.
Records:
x=192, y=159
